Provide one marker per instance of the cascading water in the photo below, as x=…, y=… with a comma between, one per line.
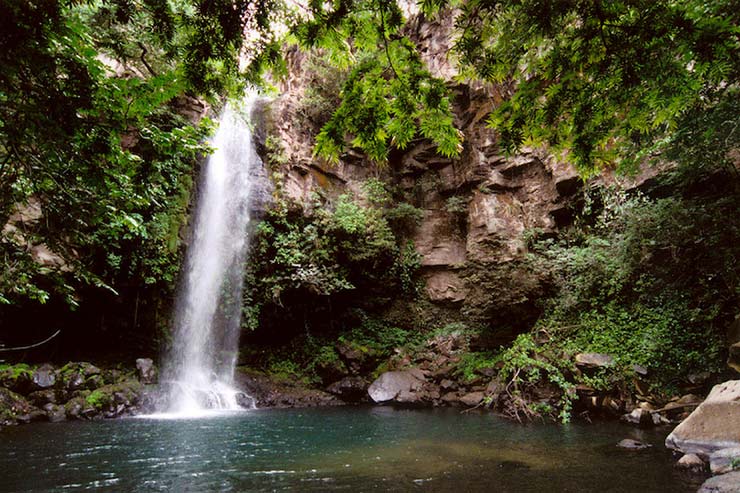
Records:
x=199, y=368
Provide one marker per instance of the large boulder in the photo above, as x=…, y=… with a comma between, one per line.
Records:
x=714, y=425
x=726, y=483
x=396, y=385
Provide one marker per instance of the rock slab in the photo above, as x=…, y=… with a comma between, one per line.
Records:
x=725, y=460
x=726, y=483
x=714, y=425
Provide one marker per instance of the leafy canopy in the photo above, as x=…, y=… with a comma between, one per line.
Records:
x=601, y=80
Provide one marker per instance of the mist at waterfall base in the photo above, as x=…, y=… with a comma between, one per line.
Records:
x=198, y=369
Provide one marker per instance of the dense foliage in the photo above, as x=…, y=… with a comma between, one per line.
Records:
x=605, y=81
x=346, y=245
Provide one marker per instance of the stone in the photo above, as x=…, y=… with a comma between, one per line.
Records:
x=74, y=376
x=55, y=413
x=349, y=389
x=594, y=360
x=44, y=377
x=691, y=463
x=725, y=483
x=641, y=417
x=724, y=460
x=78, y=408
x=712, y=426
x=631, y=444
x=472, y=399
x=12, y=407
x=146, y=371
x=42, y=397
x=390, y=384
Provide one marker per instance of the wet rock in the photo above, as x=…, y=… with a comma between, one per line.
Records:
x=631, y=444
x=44, y=377
x=714, y=425
x=724, y=460
x=725, y=483
x=146, y=371
x=55, y=413
x=593, y=360
x=245, y=401
x=13, y=406
x=391, y=384
x=472, y=399
x=115, y=399
x=350, y=389
x=691, y=463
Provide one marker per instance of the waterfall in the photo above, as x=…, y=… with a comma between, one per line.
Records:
x=199, y=369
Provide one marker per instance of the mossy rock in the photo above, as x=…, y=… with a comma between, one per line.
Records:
x=79, y=408
x=75, y=376
x=114, y=399
x=13, y=407
x=18, y=378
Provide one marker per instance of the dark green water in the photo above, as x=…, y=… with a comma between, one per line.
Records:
x=347, y=449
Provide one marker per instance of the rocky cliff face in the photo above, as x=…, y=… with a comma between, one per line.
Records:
x=478, y=210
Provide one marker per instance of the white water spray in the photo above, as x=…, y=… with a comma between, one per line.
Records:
x=199, y=369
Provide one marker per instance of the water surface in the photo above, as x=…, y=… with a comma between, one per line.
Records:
x=338, y=449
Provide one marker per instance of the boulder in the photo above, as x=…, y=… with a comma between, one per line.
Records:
x=146, y=371
x=349, y=389
x=691, y=463
x=391, y=384
x=593, y=360
x=78, y=376
x=44, y=377
x=725, y=483
x=724, y=460
x=714, y=425
x=631, y=444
